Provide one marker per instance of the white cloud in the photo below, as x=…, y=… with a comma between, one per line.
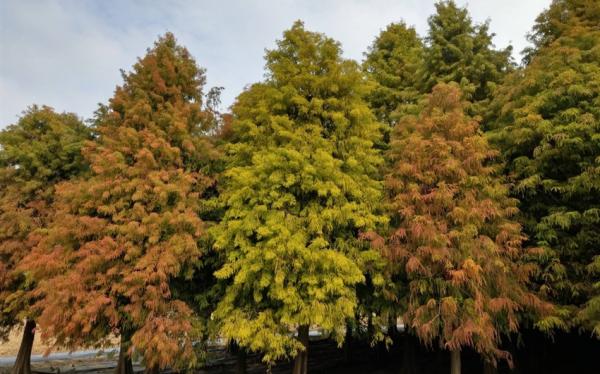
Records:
x=67, y=54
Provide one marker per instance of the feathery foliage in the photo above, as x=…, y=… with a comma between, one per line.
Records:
x=125, y=232
x=453, y=235
x=300, y=186
x=458, y=51
x=548, y=129
x=39, y=151
x=392, y=63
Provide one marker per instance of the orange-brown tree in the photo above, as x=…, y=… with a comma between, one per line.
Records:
x=453, y=237
x=123, y=234
x=39, y=151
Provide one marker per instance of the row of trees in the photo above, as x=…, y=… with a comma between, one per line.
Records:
x=438, y=182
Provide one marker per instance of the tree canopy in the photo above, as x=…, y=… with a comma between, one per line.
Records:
x=39, y=151
x=548, y=126
x=453, y=233
x=393, y=63
x=438, y=182
x=301, y=184
x=459, y=51
x=124, y=232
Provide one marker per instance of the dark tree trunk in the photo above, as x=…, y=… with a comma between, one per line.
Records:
x=409, y=344
x=301, y=361
x=489, y=368
x=455, y=367
x=23, y=361
x=240, y=355
x=393, y=329
x=515, y=356
x=440, y=360
x=124, y=366
x=240, y=363
x=152, y=370
x=348, y=344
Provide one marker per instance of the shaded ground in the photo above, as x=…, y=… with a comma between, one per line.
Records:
x=570, y=353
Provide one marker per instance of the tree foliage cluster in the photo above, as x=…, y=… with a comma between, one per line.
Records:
x=438, y=183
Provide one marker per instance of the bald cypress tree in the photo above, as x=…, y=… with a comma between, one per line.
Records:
x=457, y=50
x=124, y=233
x=300, y=187
x=547, y=128
x=393, y=63
x=454, y=238
x=39, y=151
x=404, y=67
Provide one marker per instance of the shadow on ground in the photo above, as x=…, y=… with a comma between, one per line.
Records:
x=533, y=354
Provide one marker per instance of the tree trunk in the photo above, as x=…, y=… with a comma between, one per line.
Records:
x=489, y=368
x=301, y=361
x=348, y=344
x=240, y=363
x=408, y=355
x=455, y=362
x=393, y=329
x=23, y=361
x=515, y=357
x=124, y=366
x=152, y=370
x=240, y=355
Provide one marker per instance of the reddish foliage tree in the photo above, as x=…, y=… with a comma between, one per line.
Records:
x=39, y=151
x=121, y=235
x=454, y=238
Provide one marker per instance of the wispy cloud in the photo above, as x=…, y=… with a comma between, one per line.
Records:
x=67, y=54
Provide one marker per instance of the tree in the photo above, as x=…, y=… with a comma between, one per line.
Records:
x=300, y=187
x=122, y=235
x=392, y=63
x=547, y=128
x=558, y=20
x=39, y=151
x=590, y=313
x=453, y=236
x=458, y=51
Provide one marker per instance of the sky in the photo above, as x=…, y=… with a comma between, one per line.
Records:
x=68, y=53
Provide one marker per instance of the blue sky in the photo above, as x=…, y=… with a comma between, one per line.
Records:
x=68, y=54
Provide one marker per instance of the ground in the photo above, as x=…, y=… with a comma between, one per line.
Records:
x=535, y=353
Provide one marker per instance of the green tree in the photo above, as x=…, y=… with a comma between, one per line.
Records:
x=458, y=51
x=124, y=234
x=548, y=129
x=454, y=238
x=590, y=314
x=392, y=63
x=560, y=19
x=39, y=151
x=300, y=187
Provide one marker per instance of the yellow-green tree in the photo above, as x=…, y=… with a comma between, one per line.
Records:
x=301, y=185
